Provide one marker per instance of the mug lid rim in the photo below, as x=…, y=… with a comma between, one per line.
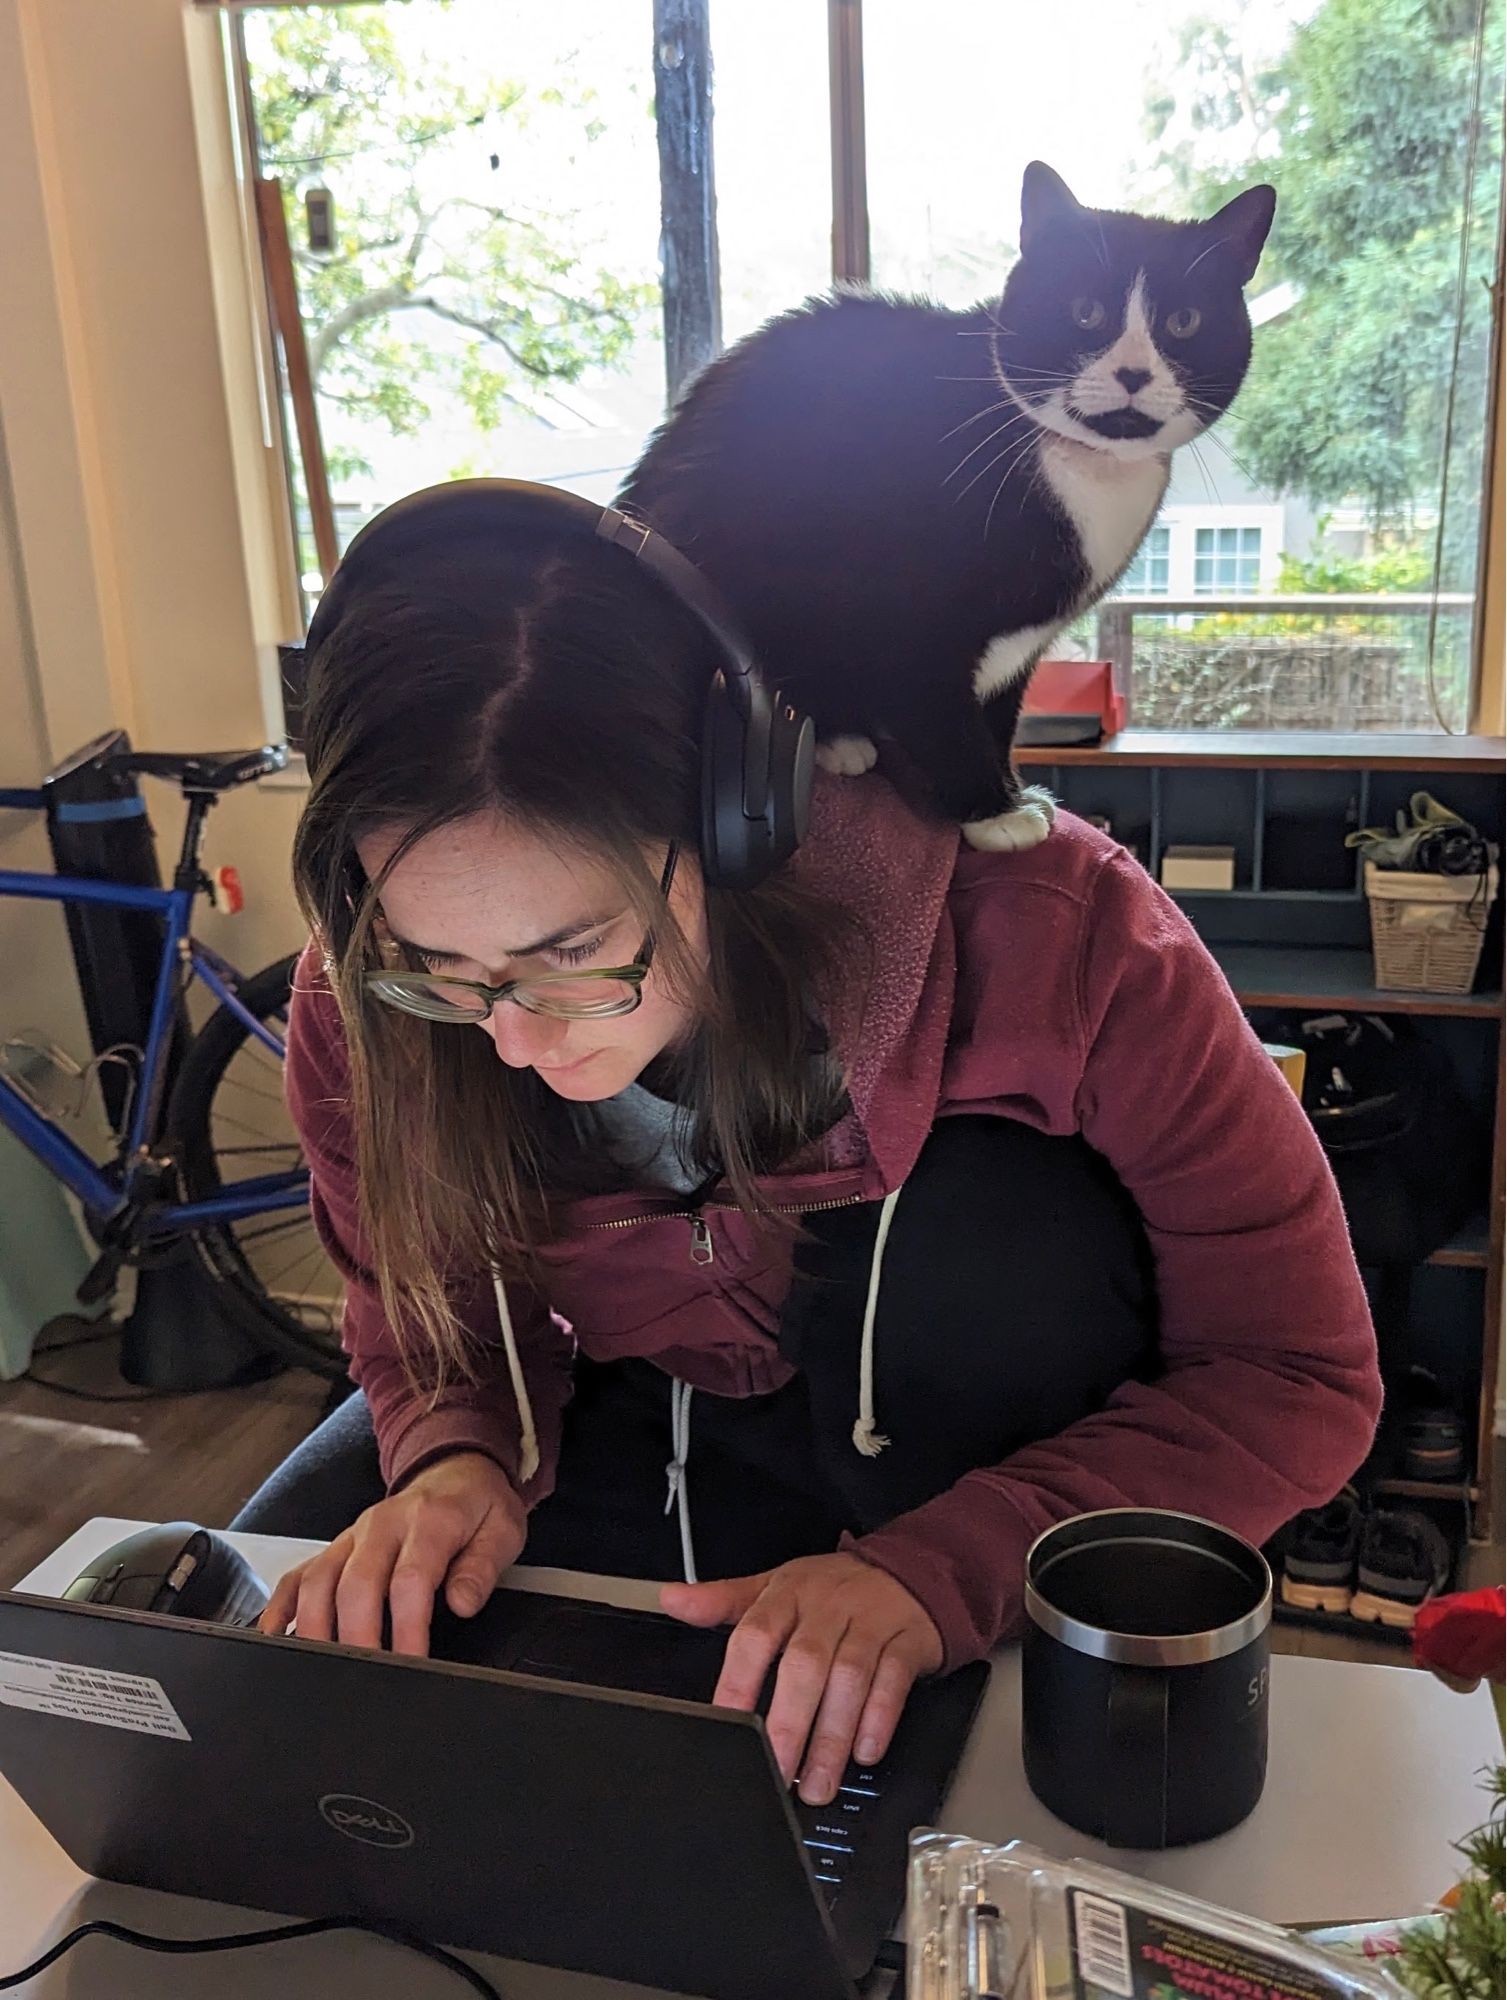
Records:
x=1208, y=1642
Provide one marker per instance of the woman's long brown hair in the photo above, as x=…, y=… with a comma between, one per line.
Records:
x=559, y=687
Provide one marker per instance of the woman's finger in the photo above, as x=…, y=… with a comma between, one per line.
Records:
x=756, y=1639
x=473, y=1575
x=278, y=1615
x=801, y=1682
x=436, y=1531
x=314, y=1608
x=894, y=1677
x=361, y=1593
x=849, y=1679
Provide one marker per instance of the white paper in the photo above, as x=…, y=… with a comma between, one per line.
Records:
x=89, y=1694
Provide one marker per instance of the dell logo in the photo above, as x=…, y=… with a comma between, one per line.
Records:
x=364, y=1819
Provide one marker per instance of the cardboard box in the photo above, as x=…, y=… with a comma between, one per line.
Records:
x=1198, y=868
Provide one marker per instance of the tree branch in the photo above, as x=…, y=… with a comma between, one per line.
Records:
x=398, y=298
x=371, y=305
x=486, y=328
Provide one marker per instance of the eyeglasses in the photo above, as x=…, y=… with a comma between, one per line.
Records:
x=595, y=995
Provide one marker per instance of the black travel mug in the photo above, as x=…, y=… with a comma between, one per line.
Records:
x=1145, y=1676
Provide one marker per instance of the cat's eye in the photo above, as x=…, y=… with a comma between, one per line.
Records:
x=1087, y=313
x=1184, y=322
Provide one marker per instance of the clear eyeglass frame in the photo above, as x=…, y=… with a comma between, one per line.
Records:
x=595, y=994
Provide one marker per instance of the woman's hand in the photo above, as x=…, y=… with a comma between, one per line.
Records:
x=853, y=1639
x=457, y=1524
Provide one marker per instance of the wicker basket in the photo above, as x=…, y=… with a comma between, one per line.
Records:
x=1427, y=930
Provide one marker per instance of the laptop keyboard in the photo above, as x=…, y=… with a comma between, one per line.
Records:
x=650, y=1654
x=831, y=1833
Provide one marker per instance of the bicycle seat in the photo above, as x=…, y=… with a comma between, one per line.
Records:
x=206, y=770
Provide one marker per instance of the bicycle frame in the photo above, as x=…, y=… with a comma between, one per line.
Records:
x=107, y=1191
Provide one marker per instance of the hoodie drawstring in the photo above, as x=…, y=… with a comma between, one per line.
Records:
x=866, y=1438
x=528, y=1436
x=679, y=1493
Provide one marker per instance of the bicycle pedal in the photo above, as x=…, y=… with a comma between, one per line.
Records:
x=98, y=1282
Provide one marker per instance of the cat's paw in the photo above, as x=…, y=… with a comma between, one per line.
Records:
x=847, y=756
x=1026, y=825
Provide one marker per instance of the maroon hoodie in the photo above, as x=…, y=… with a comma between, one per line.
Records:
x=1059, y=987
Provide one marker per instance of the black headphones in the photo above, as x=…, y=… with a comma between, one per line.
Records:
x=757, y=752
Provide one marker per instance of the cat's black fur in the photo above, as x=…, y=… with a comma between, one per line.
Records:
x=858, y=482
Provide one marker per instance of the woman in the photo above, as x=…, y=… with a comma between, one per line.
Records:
x=897, y=1207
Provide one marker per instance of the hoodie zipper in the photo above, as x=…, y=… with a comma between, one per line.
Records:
x=702, y=1249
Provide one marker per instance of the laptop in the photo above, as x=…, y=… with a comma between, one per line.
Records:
x=551, y=1785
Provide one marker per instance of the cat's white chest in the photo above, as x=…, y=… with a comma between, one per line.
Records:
x=1110, y=501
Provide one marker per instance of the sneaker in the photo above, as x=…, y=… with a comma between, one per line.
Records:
x=1318, y=1569
x=1433, y=1439
x=1404, y=1561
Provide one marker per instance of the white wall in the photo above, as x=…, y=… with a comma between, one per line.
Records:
x=36, y=986
x=143, y=563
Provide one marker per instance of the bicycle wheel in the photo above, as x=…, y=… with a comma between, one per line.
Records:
x=228, y=1119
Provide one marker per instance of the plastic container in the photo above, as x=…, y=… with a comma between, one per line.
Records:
x=1010, y=1923
x=1427, y=930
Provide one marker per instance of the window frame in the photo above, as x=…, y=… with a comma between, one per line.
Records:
x=851, y=263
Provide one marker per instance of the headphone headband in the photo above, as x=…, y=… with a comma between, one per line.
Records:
x=757, y=752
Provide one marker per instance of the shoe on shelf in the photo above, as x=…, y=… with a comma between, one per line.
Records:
x=1433, y=1438
x=1404, y=1561
x=1318, y=1568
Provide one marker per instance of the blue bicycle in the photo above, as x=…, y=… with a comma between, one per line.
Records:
x=203, y=1151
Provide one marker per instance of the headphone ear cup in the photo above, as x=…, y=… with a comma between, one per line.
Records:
x=738, y=852
x=792, y=771
x=731, y=844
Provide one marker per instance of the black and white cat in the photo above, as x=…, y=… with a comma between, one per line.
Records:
x=904, y=505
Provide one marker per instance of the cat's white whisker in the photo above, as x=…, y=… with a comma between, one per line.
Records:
x=1017, y=445
x=1208, y=251
x=1198, y=460
x=1004, y=481
x=983, y=445
x=1239, y=463
x=989, y=410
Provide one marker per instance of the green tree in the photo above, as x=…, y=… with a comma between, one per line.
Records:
x=1362, y=121
x=354, y=99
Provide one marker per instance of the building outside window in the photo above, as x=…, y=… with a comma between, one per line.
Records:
x=1150, y=572
x=1226, y=562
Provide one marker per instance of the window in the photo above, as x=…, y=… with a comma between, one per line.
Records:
x=1150, y=574
x=1226, y=562
x=1381, y=126
x=516, y=230
x=476, y=196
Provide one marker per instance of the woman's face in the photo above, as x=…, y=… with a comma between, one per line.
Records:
x=485, y=899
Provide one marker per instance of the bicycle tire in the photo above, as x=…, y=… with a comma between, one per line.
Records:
x=190, y=1126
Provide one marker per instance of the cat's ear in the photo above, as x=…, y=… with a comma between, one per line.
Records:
x=1243, y=224
x=1047, y=203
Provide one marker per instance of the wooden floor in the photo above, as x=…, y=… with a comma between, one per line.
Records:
x=193, y=1458
x=197, y=1458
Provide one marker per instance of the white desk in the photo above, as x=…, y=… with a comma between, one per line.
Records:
x=1373, y=1775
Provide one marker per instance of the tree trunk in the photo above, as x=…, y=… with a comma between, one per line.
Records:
x=691, y=283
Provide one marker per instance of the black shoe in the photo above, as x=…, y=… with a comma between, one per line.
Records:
x=1404, y=1561
x=1433, y=1438
x=1318, y=1569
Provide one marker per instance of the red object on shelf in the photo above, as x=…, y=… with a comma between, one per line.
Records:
x=1075, y=690
x=225, y=890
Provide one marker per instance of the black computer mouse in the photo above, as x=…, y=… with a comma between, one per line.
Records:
x=178, y=1568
